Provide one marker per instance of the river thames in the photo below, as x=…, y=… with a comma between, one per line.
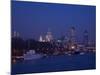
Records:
x=56, y=63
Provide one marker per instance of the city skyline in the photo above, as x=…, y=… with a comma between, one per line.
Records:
x=52, y=37
x=33, y=19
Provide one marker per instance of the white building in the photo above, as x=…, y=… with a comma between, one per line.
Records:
x=48, y=37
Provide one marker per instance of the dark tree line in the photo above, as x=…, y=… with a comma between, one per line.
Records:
x=22, y=46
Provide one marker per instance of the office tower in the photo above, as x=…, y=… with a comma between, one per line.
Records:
x=15, y=34
x=71, y=41
x=85, y=39
x=72, y=34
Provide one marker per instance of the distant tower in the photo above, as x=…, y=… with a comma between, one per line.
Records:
x=15, y=34
x=49, y=36
x=66, y=39
x=72, y=41
x=65, y=42
x=72, y=34
x=85, y=39
x=40, y=39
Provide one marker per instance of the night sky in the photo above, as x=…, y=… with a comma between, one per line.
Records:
x=32, y=19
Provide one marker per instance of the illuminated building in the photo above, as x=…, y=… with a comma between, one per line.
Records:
x=48, y=37
x=71, y=41
x=65, y=41
x=15, y=34
x=41, y=39
x=72, y=34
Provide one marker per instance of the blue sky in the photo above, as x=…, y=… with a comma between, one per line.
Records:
x=32, y=19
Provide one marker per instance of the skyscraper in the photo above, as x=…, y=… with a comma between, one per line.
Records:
x=72, y=35
x=15, y=34
x=72, y=41
x=85, y=38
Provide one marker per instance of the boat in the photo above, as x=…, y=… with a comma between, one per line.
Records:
x=32, y=55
